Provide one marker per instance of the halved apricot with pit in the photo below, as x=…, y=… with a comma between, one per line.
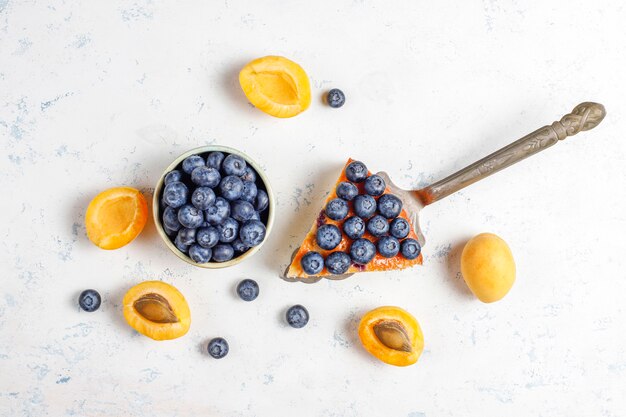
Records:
x=157, y=310
x=115, y=217
x=392, y=335
x=276, y=85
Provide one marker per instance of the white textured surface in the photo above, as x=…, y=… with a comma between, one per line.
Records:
x=98, y=94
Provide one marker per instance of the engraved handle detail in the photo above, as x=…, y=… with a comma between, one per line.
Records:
x=585, y=116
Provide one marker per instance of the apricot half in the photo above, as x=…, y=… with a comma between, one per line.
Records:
x=276, y=85
x=157, y=310
x=115, y=217
x=488, y=267
x=392, y=335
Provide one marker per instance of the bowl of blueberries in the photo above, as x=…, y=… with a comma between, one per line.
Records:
x=213, y=207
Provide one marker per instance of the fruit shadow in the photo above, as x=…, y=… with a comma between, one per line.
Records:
x=230, y=88
x=351, y=331
x=114, y=308
x=453, y=269
x=76, y=220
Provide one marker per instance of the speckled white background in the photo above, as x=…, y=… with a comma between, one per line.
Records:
x=100, y=94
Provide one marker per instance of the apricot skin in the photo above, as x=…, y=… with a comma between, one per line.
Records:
x=488, y=267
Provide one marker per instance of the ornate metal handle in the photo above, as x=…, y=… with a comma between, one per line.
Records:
x=585, y=116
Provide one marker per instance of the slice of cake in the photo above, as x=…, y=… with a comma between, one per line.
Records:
x=362, y=227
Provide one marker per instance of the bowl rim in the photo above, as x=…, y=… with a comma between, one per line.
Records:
x=156, y=207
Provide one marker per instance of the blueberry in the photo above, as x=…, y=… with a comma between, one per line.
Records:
x=241, y=211
x=218, y=212
x=199, y=254
x=297, y=316
x=378, y=226
x=239, y=246
x=234, y=165
x=214, y=160
x=388, y=246
x=175, y=194
x=218, y=348
x=346, y=190
x=337, y=209
x=252, y=233
x=399, y=228
x=256, y=216
x=362, y=251
x=262, y=200
x=231, y=187
x=375, y=185
x=364, y=206
x=410, y=248
x=170, y=219
x=206, y=176
x=170, y=232
x=187, y=236
x=249, y=191
x=223, y=252
x=248, y=289
x=180, y=245
x=228, y=230
x=249, y=174
x=312, y=263
x=354, y=227
x=328, y=236
x=190, y=217
x=172, y=176
x=389, y=206
x=89, y=300
x=356, y=171
x=338, y=263
x=192, y=162
x=202, y=198
x=335, y=98
x=207, y=237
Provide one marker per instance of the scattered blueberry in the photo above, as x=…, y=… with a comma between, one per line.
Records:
x=192, y=162
x=89, y=300
x=252, y=233
x=172, y=176
x=338, y=263
x=337, y=209
x=218, y=212
x=190, y=217
x=354, y=227
x=328, y=236
x=399, y=228
x=170, y=219
x=249, y=174
x=218, y=348
x=389, y=206
x=364, y=206
x=223, y=252
x=312, y=263
x=410, y=248
x=234, y=165
x=206, y=176
x=248, y=289
x=346, y=190
x=249, y=191
x=231, y=187
x=239, y=246
x=207, y=237
x=214, y=160
x=378, y=226
x=297, y=316
x=228, y=230
x=362, y=251
x=180, y=245
x=336, y=98
x=242, y=211
x=202, y=198
x=175, y=194
x=388, y=246
x=374, y=185
x=262, y=200
x=199, y=254
x=187, y=236
x=356, y=171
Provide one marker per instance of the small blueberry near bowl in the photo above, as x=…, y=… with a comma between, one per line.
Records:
x=213, y=207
